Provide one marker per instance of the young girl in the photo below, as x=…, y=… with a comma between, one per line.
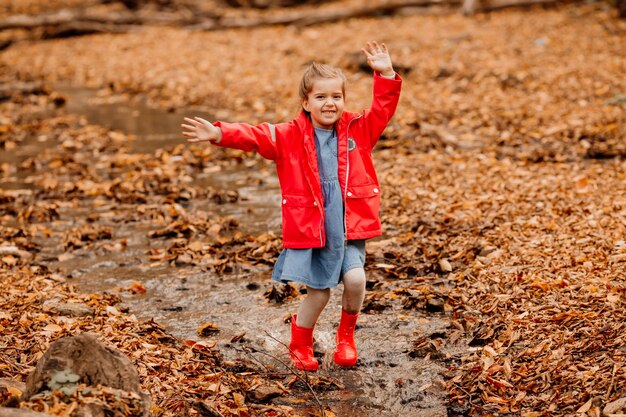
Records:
x=330, y=192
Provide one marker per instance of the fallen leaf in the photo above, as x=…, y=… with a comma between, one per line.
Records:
x=239, y=399
x=136, y=287
x=207, y=329
x=585, y=407
x=445, y=265
x=53, y=328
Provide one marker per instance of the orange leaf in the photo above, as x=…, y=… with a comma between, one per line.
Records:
x=136, y=287
x=239, y=399
x=499, y=384
x=207, y=329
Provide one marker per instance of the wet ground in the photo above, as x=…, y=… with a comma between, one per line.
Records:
x=386, y=381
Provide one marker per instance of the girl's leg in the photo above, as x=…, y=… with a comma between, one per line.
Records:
x=353, y=290
x=302, y=324
x=312, y=306
x=353, y=295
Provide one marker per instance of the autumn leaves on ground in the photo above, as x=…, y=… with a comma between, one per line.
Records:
x=502, y=175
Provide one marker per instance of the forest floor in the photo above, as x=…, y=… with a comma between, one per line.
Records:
x=504, y=198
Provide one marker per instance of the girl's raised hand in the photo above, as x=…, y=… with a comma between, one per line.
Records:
x=378, y=58
x=200, y=130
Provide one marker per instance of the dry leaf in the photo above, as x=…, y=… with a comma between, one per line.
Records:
x=585, y=407
x=53, y=328
x=445, y=265
x=239, y=399
x=136, y=287
x=208, y=329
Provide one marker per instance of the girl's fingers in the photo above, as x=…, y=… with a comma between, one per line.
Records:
x=201, y=120
x=374, y=48
x=193, y=122
x=195, y=126
x=371, y=49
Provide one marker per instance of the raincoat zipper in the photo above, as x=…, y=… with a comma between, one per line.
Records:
x=345, y=190
x=321, y=226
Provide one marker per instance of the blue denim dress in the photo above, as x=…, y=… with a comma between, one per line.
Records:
x=322, y=268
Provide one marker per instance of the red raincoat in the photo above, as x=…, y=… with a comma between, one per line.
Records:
x=292, y=146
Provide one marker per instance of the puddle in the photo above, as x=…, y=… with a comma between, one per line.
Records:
x=153, y=128
x=386, y=382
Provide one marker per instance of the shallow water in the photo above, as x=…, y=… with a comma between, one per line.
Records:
x=386, y=381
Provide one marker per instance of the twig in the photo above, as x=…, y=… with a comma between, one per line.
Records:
x=269, y=372
x=469, y=395
x=249, y=352
x=290, y=370
x=305, y=380
x=608, y=392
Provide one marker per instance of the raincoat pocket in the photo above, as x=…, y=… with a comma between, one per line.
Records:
x=362, y=207
x=302, y=222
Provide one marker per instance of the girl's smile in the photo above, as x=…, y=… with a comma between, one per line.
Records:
x=325, y=102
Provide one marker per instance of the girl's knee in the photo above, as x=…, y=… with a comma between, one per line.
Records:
x=354, y=279
x=321, y=296
x=355, y=275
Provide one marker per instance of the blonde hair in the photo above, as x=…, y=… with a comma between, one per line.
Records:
x=316, y=71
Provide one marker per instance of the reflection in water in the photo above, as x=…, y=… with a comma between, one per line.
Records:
x=154, y=128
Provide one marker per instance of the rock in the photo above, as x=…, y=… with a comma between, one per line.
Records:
x=91, y=410
x=265, y=393
x=92, y=363
x=435, y=305
x=68, y=309
x=615, y=406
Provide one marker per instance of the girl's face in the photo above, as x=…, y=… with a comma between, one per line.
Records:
x=325, y=102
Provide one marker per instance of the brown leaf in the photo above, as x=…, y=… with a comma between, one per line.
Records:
x=208, y=329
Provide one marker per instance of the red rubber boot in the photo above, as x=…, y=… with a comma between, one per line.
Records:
x=301, y=347
x=346, y=349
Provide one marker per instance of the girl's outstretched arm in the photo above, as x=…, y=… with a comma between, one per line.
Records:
x=200, y=130
x=378, y=58
x=387, y=85
x=260, y=138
